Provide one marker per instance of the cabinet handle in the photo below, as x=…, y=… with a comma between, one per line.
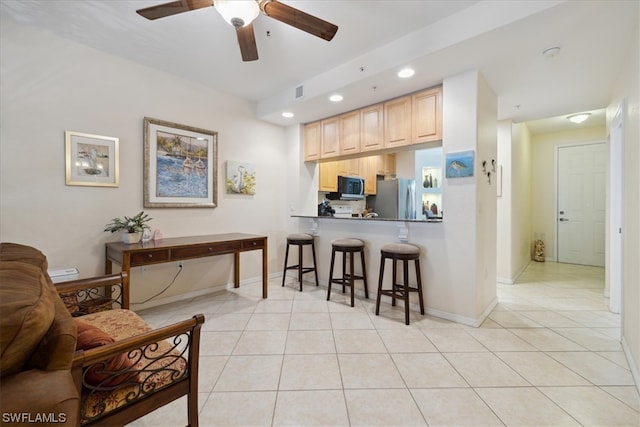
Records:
x=150, y=255
x=210, y=249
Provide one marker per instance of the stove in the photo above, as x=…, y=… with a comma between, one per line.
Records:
x=342, y=211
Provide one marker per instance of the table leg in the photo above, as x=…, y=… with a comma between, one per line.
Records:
x=264, y=271
x=236, y=269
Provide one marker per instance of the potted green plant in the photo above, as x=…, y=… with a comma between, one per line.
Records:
x=131, y=227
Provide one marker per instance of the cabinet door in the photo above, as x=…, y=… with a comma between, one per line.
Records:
x=426, y=110
x=369, y=171
x=312, y=137
x=386, y=164
x=349, y=167
x=350, y=133
x=372, y=128
x=330, y=138
x=397, y=122
x=328, y=176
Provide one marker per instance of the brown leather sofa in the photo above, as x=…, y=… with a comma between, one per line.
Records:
x=74, y=354
x=38, y=338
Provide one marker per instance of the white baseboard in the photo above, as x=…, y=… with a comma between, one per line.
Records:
x=469, y=321
x=514, y=279
x=633, y=364
x=197, y=293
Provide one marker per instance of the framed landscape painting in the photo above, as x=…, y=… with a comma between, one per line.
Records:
x=180, y=165
x=91, y=160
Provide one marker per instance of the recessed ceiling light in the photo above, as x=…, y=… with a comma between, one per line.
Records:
x=550, y=52
x=406, y=73
x=578, y=118
x=335, y=98
x=287, y=114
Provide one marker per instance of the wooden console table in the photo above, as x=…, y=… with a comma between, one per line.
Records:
x=182, y=248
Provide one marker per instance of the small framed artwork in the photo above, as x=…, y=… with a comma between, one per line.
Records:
x=459, y=164
x=180, y=165
x=241, y=178
x=91, y=160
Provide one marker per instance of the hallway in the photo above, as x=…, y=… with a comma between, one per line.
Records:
x=549, y=354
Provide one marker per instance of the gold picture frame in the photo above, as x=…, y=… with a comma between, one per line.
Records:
x=180, y=165
x=91, y=160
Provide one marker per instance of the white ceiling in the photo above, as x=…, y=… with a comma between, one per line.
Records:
x=502, y=39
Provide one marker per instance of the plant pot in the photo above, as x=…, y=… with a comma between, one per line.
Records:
x=131, y=238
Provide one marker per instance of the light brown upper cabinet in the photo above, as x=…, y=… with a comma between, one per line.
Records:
x=330, y=138
x=386, y=164
x=372, y=128
x=328, y=176
x=312, y=139
x=368, y=170
x=349, y=133
x=397, y=122
x=329, y=171
x=349, y=167
x=426, y=121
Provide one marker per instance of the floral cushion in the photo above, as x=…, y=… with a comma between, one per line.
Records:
x=157, y=365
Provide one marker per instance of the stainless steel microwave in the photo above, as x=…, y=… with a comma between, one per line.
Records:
x=350, y=188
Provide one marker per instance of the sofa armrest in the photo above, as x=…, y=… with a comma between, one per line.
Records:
x=163, y=358
x=84, y=296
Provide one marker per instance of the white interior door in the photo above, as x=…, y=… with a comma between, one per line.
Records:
x=582, y=182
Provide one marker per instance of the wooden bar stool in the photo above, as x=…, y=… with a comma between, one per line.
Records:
x=300, y=240
x=405, y=253
x=347, y=246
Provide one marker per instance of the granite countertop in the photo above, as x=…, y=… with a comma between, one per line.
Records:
x=359, y=218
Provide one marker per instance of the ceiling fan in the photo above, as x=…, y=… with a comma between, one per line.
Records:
x=241, y=13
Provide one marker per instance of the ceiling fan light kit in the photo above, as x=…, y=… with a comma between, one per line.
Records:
x=241, y=13
x=238, y=12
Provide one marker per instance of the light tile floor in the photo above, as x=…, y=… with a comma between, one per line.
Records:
x=549, y=354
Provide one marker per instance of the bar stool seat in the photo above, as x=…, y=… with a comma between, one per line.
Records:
x=400, y=252
x=348, y=246
x=300, y=240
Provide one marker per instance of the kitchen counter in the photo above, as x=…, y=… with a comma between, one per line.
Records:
x=359, y=218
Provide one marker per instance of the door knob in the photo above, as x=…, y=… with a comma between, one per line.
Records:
x=564, y=219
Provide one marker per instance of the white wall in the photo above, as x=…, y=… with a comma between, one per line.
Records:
x=50, y=85
x=543, y=175
x=514, y=206
x=628, y=88
x=503, y=205
x=521, y=205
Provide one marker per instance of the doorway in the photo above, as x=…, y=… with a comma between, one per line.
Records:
x=581, y=203
x=616, y=183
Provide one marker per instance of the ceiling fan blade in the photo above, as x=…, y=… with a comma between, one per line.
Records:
x=247, y=42
x=173, y=8
x=299, y=19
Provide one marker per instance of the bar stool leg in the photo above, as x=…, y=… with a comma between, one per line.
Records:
x=344, y=269
x=284, y=271
x=351, y=280
x=419, y=281
x=382, y=260
x=405, y=270
x=333, y=258
x=364, y=275
x=315, y=270
x=394, y=281
x=300, y=266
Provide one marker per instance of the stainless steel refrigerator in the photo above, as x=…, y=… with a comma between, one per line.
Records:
x=396, y=198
